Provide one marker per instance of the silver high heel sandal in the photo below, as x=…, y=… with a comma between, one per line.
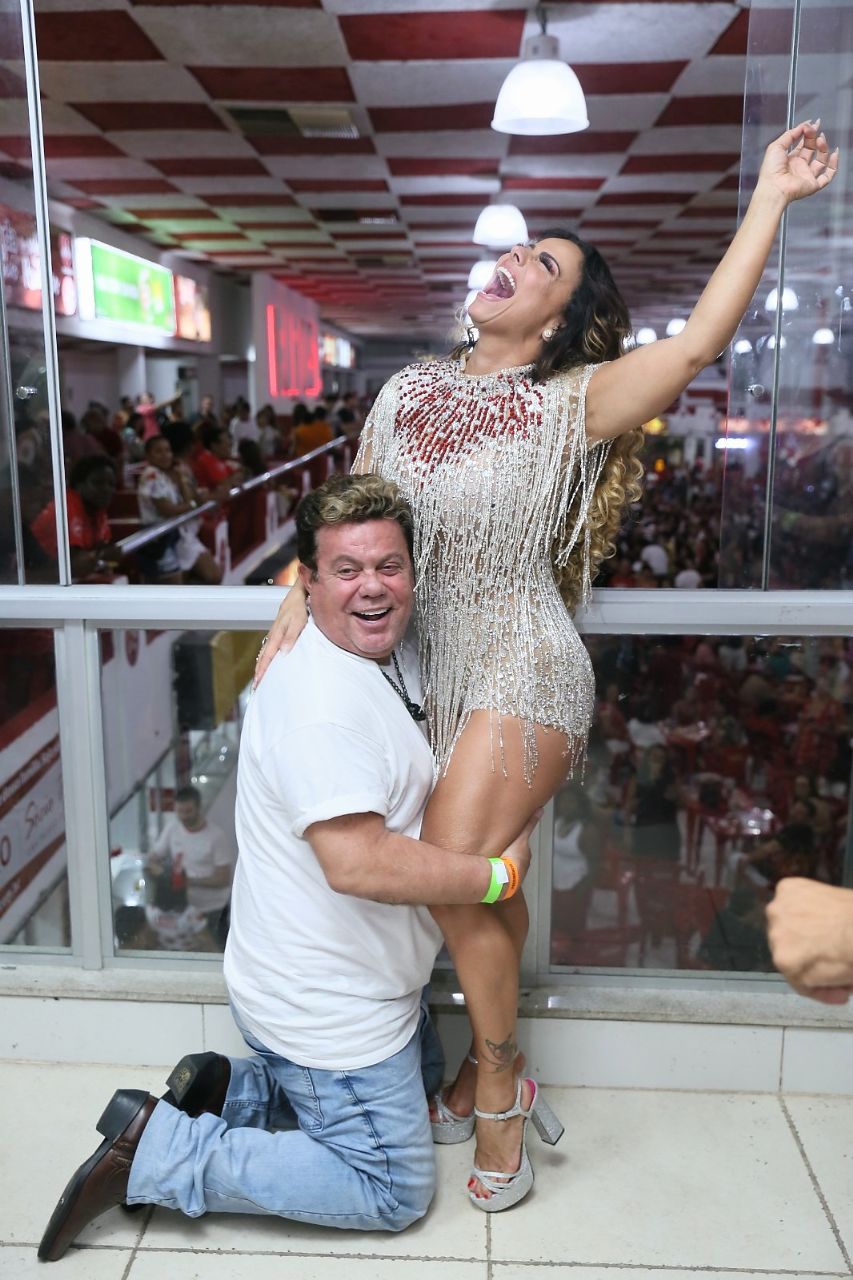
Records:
x=508, y=1188
x=451, y=1128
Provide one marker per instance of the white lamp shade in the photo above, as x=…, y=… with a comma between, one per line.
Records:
x=743, y=346
x=645, y=336
x=499, y=226
x=540, y=96
x=823, y=337
x=790, y=301
x=675, y=326
x=481, y=273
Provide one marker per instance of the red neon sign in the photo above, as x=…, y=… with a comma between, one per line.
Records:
x=292, y=354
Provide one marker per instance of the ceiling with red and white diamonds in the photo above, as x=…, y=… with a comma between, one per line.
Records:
x=190, y=124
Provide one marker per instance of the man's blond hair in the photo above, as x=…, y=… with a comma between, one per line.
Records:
x=346, y=499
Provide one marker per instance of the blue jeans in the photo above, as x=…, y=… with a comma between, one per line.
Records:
x=339, y=1148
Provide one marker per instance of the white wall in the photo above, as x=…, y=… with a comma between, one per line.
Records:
x=236, y=381
x=161, y=373
x=88, y=375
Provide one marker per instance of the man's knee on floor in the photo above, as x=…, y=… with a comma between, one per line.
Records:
x=408, y=1211
x=411, y=1197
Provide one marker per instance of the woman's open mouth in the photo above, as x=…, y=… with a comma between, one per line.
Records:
x=502, y=285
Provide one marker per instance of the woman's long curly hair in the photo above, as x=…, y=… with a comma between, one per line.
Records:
x=594, y=324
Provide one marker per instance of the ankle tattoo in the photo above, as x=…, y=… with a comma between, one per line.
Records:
x=501, y=1056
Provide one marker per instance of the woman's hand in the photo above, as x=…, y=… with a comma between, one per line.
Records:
x=284, y=632
x=799, y=163
x=519, y=851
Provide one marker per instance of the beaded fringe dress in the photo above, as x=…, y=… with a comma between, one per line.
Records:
x=500, y=479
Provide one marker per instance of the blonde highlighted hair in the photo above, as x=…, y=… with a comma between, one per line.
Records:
x=349, y=499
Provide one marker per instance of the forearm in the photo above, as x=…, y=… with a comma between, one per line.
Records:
x=397, y=869
x=218, y=880
x=727, y=295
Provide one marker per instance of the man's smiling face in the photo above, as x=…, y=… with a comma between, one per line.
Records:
x=362, y=592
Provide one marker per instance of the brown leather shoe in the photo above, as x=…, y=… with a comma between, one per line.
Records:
x=101, y=1182
x=199, y=1083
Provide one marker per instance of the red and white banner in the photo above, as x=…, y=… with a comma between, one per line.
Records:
x=32, y=830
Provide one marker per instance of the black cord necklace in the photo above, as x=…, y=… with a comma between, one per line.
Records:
x=414, y=709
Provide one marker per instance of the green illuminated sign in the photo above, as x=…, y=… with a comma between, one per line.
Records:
x=131, y=290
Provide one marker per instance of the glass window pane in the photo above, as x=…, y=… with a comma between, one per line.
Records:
x=811, y=544
x=33, y=876
x=25, y=459
x=173, y=709
x=716, y=767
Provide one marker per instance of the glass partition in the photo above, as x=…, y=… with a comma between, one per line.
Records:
x=173, y=709
x=34, y=908
x=26, y=474
x=786, y=511
x=812, y=513
x=717, y=765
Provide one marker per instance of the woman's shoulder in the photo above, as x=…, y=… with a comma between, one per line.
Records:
x=576, y=379
x=420, y=371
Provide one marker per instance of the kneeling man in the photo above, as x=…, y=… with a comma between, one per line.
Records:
x=331, y=941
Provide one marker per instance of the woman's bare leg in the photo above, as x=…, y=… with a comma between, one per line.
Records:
x=460, y=1095
x=477, y=807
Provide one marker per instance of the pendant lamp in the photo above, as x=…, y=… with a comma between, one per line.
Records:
x=481, y=273
x=541, y=94
x=499, y=226
x=790, y=301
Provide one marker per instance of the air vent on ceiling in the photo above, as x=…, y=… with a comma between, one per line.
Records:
x=297, y=122
x=384, y=260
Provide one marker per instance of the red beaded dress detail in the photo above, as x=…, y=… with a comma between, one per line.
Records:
x=500, y=479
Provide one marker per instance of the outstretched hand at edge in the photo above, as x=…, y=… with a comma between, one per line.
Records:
x=799, y=162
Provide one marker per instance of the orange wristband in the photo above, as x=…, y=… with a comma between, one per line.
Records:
x=514, y=878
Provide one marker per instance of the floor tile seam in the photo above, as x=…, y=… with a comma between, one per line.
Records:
x=629, y=1267
x=489, y=1272
x=782, y=1049
x=816, y=1184
x=149, y=1214
x=632, y=1268
x=260, y=1253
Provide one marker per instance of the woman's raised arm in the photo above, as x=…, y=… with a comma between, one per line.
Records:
x=629, y=391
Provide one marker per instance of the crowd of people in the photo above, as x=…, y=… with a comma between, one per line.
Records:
x=150, y=462
x=672, y=538
x=718, y=766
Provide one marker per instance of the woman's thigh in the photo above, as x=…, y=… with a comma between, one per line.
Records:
x=483, y=800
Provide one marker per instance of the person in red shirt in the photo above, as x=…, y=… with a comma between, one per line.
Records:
x=90, y=492
x=213, y=463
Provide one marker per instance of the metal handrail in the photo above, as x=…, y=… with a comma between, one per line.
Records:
x=152, y=532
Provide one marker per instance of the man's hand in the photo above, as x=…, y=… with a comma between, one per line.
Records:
x=810, y=931
x=519, y=851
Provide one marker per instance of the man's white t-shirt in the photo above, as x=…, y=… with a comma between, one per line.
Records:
x=202, y=854
x=322, y=978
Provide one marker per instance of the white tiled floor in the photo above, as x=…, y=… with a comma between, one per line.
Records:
x=662, y=1185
